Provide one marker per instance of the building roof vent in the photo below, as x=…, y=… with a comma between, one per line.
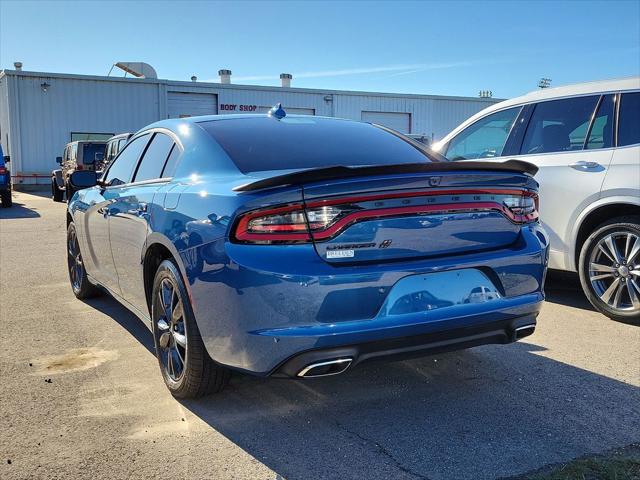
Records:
x=285, y=78
x=137, y=69
x=225, y=75
x=17, y=66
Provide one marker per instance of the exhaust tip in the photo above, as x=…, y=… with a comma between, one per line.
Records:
x=325, y=369
x=524, y=331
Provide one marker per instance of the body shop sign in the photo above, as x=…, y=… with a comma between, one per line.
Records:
x=233, y=107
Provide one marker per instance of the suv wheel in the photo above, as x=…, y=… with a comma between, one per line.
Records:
x=56, y=193
x=186, y=367
x=69, y=191
x=609, y=268
x=80, y=284
x=6, y=198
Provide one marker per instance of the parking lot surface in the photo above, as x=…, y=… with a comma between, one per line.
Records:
x=82, y=394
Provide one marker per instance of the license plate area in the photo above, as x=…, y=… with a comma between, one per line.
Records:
x=433, y=291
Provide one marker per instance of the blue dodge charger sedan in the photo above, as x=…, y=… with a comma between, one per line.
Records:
x=297, y=246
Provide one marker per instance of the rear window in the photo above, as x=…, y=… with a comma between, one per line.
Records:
x=89, y=152
x=263, y=143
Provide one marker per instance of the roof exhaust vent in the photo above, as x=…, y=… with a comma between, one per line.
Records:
x=17, y=66
x=137, y=69
x=194, y=78
x=285, y=78
x=225, y=76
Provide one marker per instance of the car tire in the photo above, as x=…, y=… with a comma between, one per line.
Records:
x=56, y=193
x=609, y=268
x=69, y=191
x=80, y=284
x=5, y=198
x=186, y=367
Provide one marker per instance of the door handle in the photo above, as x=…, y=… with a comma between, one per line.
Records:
x=104, y=211
x=582, y=164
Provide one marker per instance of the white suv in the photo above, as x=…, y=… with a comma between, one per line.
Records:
x=585, y=139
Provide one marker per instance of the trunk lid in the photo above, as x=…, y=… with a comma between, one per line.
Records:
x=411, y=215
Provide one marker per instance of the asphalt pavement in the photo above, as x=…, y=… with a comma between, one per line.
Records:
x=82, y=396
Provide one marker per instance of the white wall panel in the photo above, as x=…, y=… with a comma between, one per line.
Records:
x=40, y=123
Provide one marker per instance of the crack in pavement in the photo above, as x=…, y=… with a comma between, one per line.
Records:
x=382, y=450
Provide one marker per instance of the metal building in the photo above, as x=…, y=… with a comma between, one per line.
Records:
x=41, y=112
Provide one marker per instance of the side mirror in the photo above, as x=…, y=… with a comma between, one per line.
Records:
x=7, y=159
x=83, y=179
x=59, y=160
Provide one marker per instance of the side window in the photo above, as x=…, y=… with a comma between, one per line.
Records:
x=154, y=158
x=559, y=125
x=485, y=138
x=601, y=134
x=74, y=152
x=170, y=167
x=122, y=167
x=65, y=154
x=629, y=119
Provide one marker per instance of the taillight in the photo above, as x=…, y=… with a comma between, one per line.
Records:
x=3, y=170
x=324, y=219
x=522, y=208
x=79, y=167
x=283, y=224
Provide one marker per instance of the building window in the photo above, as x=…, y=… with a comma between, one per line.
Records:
x=79, y=136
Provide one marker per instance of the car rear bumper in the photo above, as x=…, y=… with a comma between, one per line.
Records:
x=500, y=332
x=267, y=310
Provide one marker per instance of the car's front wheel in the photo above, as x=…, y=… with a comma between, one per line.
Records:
x=80, y=284
x=186, y=367
x=609, y=268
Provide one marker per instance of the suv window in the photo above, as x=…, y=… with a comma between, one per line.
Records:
x=154, y=158
x=559, y=125
x=90, y=151
x=629, y=119
x=601, y=135
x=122, y=167
x=485, y=138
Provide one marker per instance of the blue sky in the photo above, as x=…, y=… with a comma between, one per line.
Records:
x=448, y=48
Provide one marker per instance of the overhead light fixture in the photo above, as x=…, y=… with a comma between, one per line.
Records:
x=44, y=86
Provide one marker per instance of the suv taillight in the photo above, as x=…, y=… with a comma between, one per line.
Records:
x=3, y=170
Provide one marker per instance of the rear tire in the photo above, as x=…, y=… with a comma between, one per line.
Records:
x=609, y=268
x=6, y=199
x=56, y=193
x=186, y=367
x=80, y=284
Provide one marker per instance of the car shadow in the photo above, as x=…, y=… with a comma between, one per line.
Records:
x=483, y=413
x=18, y=210
x=123, y=317
x=564, y=288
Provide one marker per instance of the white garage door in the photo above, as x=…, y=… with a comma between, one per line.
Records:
x=290, y=110
x=396, y=121
x=180, y=105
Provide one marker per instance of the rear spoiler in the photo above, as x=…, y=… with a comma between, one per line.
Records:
x=339, y=172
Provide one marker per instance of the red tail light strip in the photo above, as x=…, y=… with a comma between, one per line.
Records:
x=294, y=235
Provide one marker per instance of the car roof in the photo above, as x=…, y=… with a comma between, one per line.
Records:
x=601, y=86
x=577, y=89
